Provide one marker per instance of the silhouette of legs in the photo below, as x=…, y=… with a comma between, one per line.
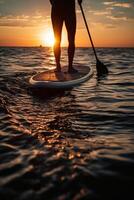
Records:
x=57, y=22
x=70, y=23
x=57, y=52
x=64, y=12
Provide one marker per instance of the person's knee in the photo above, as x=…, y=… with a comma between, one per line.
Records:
x=57, y=42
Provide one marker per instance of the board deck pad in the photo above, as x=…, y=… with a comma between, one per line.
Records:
x=61, y=80
x=62, y=76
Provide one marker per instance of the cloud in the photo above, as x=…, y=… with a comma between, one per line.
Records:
x=117, y=18
x=103, y=26
x=24, y=20
x=101, y=13
x=108, y=3
x=19, y=7
x=29, y=13
x=112, y=12
x=121, y=4
x=111, y=26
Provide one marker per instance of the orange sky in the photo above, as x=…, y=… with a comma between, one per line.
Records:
x=111, y=24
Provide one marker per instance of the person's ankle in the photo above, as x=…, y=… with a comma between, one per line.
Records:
x=58, y=68
x=70, y=67
x=72, y=70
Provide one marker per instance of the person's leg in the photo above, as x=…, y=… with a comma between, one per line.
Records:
x=57, y=49
x=57, y=23
x=70, y=23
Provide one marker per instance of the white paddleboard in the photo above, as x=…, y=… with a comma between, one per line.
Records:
x=61, y=80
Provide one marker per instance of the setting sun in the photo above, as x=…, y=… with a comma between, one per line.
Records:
x=47, y=38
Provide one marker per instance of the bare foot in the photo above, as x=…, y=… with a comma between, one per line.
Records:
x=72, y=70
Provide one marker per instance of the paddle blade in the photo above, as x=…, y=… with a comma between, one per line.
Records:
x=101, y=68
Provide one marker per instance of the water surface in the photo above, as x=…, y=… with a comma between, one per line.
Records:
x=74, y=145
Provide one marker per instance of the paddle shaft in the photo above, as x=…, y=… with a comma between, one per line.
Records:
x=88, y=31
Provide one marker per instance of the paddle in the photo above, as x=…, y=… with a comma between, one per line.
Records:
x=100, y=67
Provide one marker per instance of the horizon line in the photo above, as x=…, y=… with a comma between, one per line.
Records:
x=41, y=46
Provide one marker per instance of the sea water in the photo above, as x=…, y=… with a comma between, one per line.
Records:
x=78, y=144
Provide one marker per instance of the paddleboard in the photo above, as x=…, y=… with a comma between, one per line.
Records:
x=61, y=80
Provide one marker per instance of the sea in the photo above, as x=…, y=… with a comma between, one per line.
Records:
x=76, y=144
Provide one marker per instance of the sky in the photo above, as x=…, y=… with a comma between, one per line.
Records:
x=28, y=23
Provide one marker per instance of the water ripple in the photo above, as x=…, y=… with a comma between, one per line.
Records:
x=76, y=145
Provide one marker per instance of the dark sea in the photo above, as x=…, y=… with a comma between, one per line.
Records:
x=73, y=145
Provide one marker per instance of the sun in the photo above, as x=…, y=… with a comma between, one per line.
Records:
x=47, y=38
